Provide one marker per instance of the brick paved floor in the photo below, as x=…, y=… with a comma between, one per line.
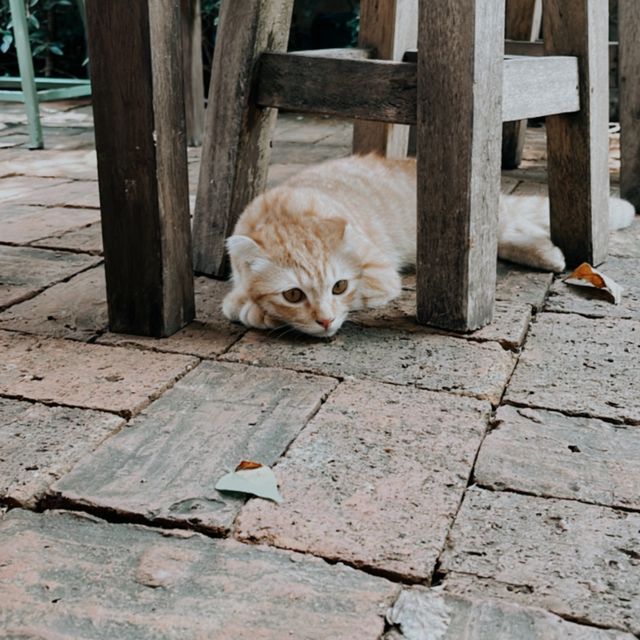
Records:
x=435, y=486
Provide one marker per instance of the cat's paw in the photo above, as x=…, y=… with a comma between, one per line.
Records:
x=237, y=307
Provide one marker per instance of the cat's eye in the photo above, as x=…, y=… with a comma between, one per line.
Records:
x=340, y=287
x=294, y=295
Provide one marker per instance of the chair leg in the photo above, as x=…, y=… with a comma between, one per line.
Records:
x=235, y=151
x=578, y=143
x=523, y=21
x=460, y=54
x=629, y=91
x=138, y=109
x=191, y=26
x=27, y=79
x=389, y=28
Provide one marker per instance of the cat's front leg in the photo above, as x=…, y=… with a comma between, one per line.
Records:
x=238, y=307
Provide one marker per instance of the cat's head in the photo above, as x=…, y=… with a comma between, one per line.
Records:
x=306, y=276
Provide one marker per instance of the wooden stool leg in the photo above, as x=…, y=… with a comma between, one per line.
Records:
x=629, y=88
x=459, y=122
x=523, y=21
x=191, y=26
x=142, y=164
x=389, y=28
x=578, y=143
x=235, y=151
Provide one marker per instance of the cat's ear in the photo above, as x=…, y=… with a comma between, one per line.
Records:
x=335, y=229
x=244, y=250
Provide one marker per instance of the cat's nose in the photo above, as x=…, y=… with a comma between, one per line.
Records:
x=325, y=322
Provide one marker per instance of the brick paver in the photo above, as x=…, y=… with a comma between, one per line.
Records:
x=375, y=479
x=424, y=613
x=75, y=309
x=85, y=375
x=72, y=576
x=427, y=359
x=580, y=366
x=576, y=560
x=24, y=271
x=550, y=454
x=39, y=444
x=208, y=336
x=166, y=465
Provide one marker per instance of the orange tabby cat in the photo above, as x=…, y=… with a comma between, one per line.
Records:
x=333, y=239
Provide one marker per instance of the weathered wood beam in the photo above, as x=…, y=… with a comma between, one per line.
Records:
x=191, y=26
x=236, y=146
x=629, y=97
x=578, y=143
x=142, y=163
x=522, y=22
x=389, y=29
x=458, y=143
x=387, y=91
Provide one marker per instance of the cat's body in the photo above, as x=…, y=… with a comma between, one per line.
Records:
x=334, y=238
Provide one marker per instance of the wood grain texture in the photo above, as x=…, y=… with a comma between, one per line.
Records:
x=457, y=227
x=629, y=87
x=142, y=164
x=523, y=20
x=387, y=91
x=389, y=28
x=577, y=144
x=236, y=147
x=191, y=28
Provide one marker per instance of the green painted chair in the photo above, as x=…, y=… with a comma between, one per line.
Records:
x=29, y=89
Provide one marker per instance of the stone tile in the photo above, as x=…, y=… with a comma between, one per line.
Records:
x=26, y=224
x=419, y=613
x=309, y=129
x=374, y=480
x=509, y=325
x=86, y=240
x=578, y=561
x=210, y=335
x=81, y=194
x=68, y=575
x=547, y=453
x=590, y=302
x=521, y=285
x=74, y=309
x=25, y=270
x=78, y=165
x=40, y=444
x=63, y=372
x=165, y=465
x=426, y=360
x=19, y=188
x=580, y=366
x=626, y=242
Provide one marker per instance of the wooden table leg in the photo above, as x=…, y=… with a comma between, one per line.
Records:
x=629, y=96
x=459, y=126
x=578, y=143
x=236, y=146
x=142, y=163
x=389, y=29
x=522, y=22
x=191, y=25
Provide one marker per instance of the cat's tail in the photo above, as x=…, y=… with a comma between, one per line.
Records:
x=621, y=213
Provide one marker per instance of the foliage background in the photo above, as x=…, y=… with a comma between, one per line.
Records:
x=56, y=31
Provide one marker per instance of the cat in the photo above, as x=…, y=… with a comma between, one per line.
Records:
x=336, y=237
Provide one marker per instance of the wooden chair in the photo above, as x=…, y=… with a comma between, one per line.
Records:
x=458, y=91
x=522, y=30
